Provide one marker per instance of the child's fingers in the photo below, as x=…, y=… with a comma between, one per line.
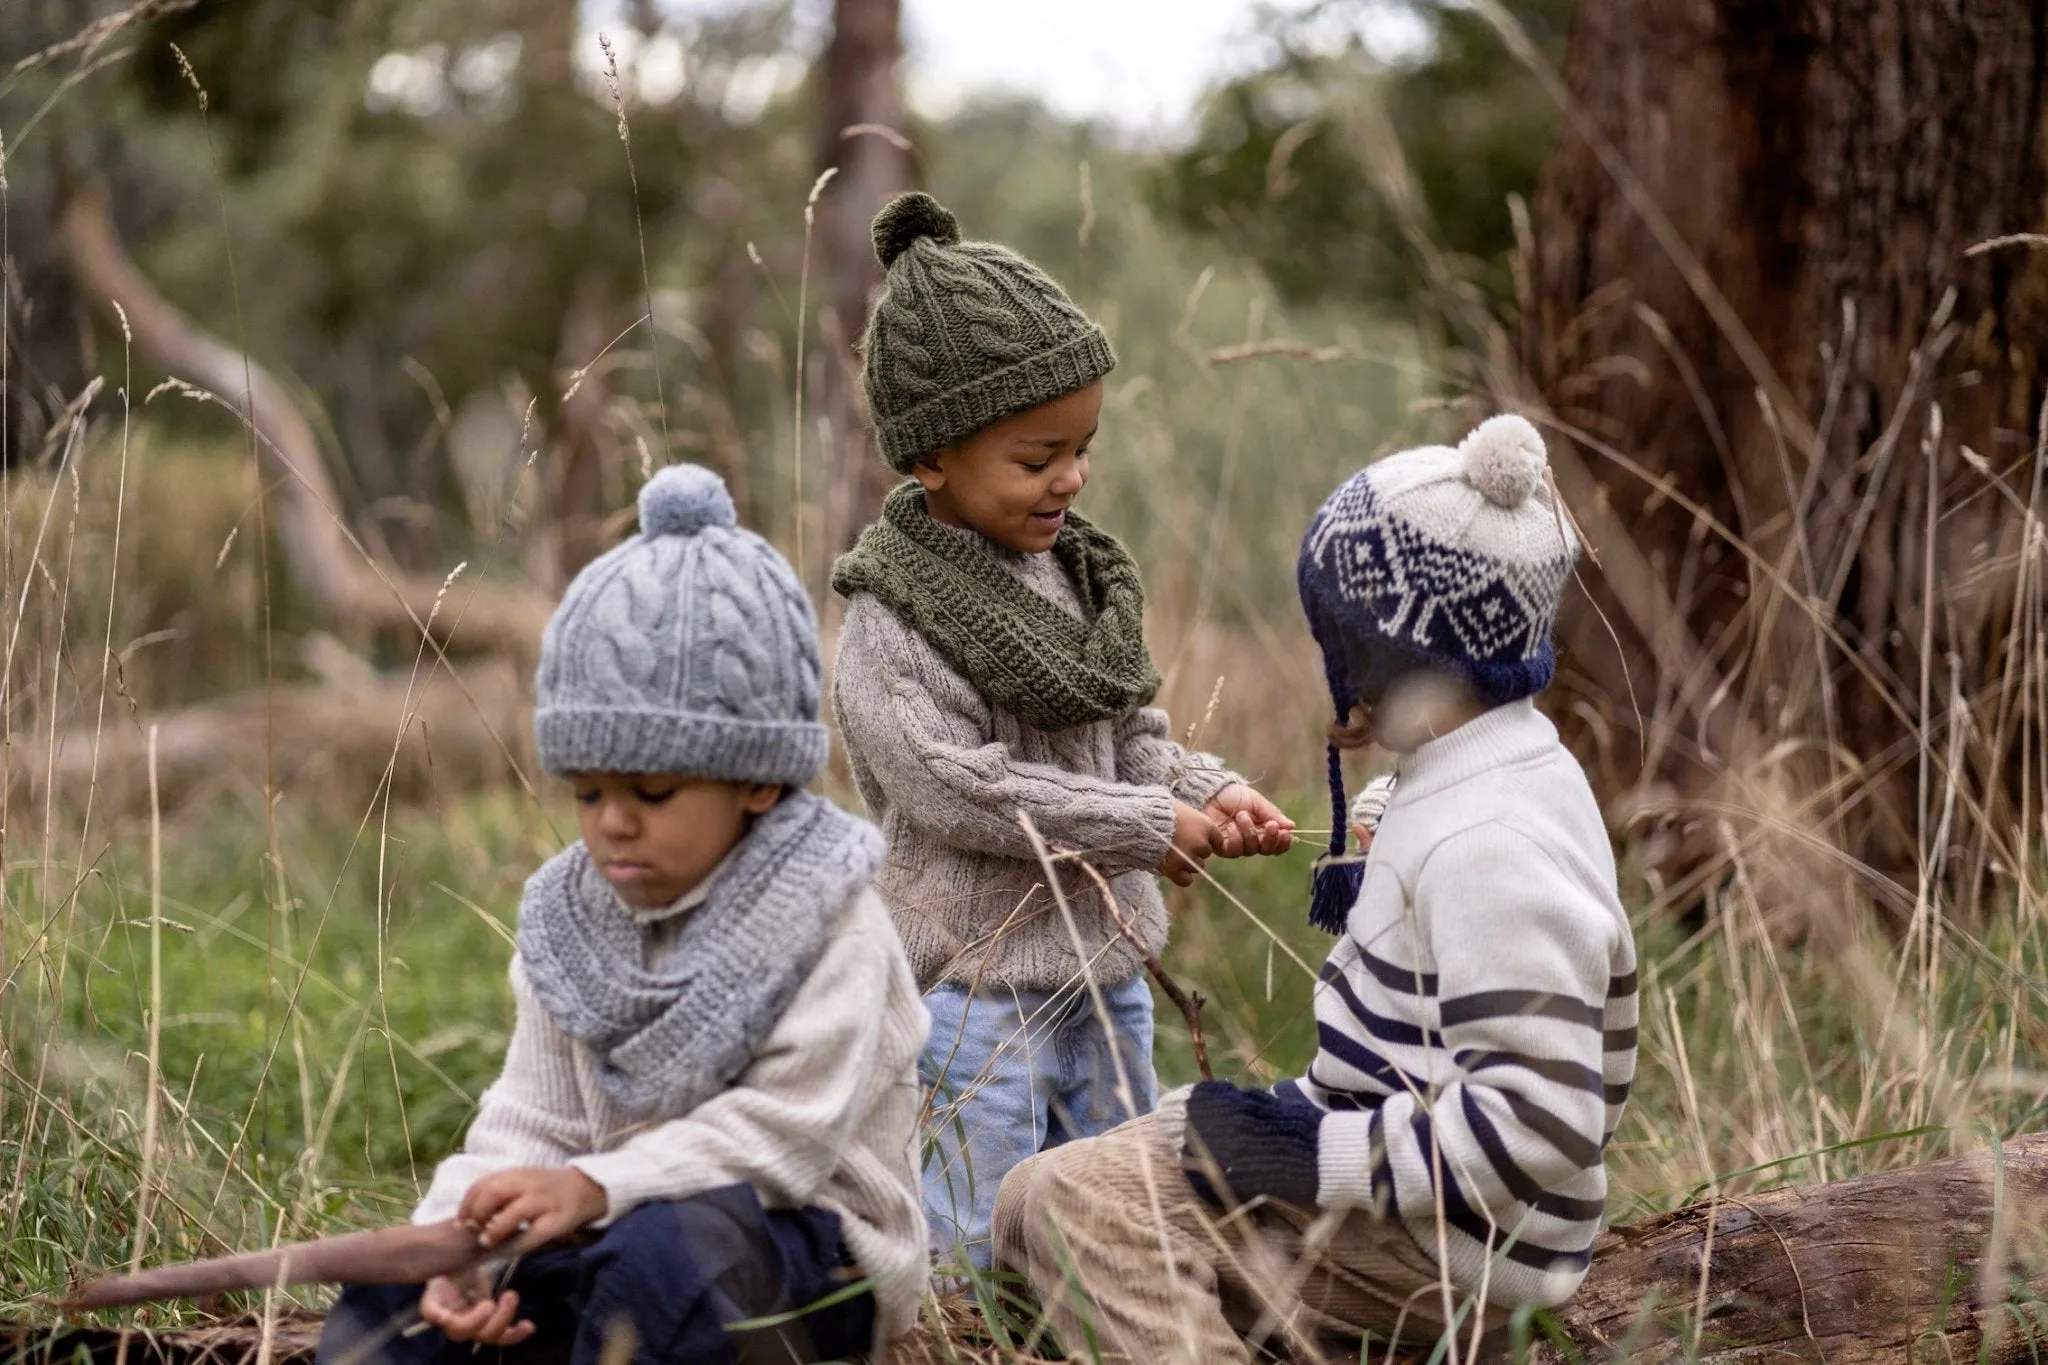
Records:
x=503, y=1319
x=516, y=1333
x=545, y=1228
x=462, y=1324
x=484, y=1199
x=523, y=1208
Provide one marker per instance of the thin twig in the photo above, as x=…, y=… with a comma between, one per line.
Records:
x=1188, y=1003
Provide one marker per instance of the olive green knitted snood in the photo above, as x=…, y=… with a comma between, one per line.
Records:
x=964, y=334
x=1023, y=654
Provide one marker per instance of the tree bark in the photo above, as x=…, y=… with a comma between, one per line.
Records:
x=860, y=132
x=1753, y=299
x=1939, y=1262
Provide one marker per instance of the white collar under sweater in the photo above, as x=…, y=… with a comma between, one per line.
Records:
x=1477, y=1019
x=662, y=926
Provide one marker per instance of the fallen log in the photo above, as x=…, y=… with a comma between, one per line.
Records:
x=337, y=744
x=1942, y=1262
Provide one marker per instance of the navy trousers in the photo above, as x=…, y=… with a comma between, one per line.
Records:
x=676, y=1272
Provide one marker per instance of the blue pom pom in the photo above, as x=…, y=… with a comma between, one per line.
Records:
x=1336, y=886
x=682, y=500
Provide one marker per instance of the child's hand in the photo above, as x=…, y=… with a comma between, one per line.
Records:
x=1248, y=824
x=1194, y=836
x=543, y=1202
x=463, y=1308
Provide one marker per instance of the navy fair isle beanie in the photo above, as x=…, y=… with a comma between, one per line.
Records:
x=1445, y=559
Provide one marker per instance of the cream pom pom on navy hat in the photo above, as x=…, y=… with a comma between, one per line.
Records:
x=691, y=648
x=1450, y=559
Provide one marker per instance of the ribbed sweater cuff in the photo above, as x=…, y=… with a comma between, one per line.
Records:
x=1348, y=1151
x=1201, y=777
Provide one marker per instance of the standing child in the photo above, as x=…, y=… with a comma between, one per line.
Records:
x=993, y=666
x=712, y=1072
x=1476, y=1022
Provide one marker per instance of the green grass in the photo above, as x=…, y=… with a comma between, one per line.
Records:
x=320, y=1048
x=319, y=1053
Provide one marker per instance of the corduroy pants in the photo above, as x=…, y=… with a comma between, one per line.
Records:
x=1125, y=1258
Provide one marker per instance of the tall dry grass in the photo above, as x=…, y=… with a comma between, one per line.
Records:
x=264, y=1034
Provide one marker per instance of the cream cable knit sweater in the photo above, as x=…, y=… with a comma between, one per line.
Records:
x=945, y=776
x=825, y=1115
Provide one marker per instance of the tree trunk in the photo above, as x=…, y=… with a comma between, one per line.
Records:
x=1936, y=1262
x=860, y=132
x=1753, y=299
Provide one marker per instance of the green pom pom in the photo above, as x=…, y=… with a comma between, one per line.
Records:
x=908, y=217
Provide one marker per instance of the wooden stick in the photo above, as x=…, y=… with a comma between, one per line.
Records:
x=410, y=1254
x=1189, y=1005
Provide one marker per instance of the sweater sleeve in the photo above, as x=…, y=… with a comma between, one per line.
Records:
x=1148, y=756
x=922, y=730
x=532, y=1115
x=1508, y=1150
x=783, y=1124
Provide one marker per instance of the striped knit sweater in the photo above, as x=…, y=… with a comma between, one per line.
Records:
x=1476, y=1022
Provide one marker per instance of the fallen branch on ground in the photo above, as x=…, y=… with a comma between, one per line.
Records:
x=1947, y=1261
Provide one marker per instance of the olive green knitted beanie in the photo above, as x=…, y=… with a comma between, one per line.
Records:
x=964, y=334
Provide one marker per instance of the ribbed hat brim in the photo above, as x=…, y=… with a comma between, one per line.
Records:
x=627, y=740
x=946, y=418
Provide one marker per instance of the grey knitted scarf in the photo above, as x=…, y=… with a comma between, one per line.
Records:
x=1024, y=654
x=672, y=1036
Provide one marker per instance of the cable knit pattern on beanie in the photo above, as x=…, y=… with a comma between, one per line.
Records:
x=690, y=648
x=964, y=334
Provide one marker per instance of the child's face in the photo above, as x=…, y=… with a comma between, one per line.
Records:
x=1013, y=480
x=656, y=835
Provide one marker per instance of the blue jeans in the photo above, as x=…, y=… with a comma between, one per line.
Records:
x=677, y=1270
x=1012, y=1073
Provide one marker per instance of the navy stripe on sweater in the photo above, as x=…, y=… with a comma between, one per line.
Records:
x=1382, y=1029
x=1519, y=1183
x=1563, y=1073
x=1365, y=1061
x=1505, y=1004
x=1461, y=1215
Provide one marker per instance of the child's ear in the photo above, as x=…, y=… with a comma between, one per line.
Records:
x=928, y=471
x=761, y=798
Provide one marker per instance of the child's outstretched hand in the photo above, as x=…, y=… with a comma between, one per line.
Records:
x=463, y=1308
x=1194, y=839
x=1247, y=823
x=534, y=1204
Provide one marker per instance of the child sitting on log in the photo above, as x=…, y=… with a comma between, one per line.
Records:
x=1441, y=1161
x=993, y=667
x=712, y=1073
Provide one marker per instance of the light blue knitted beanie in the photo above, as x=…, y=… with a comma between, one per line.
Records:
x=691, y=649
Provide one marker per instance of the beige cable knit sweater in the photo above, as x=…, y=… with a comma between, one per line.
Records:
x=945, y=776
x=825, y=1115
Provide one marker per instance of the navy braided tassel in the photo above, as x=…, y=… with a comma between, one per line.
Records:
x=1335, y=881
